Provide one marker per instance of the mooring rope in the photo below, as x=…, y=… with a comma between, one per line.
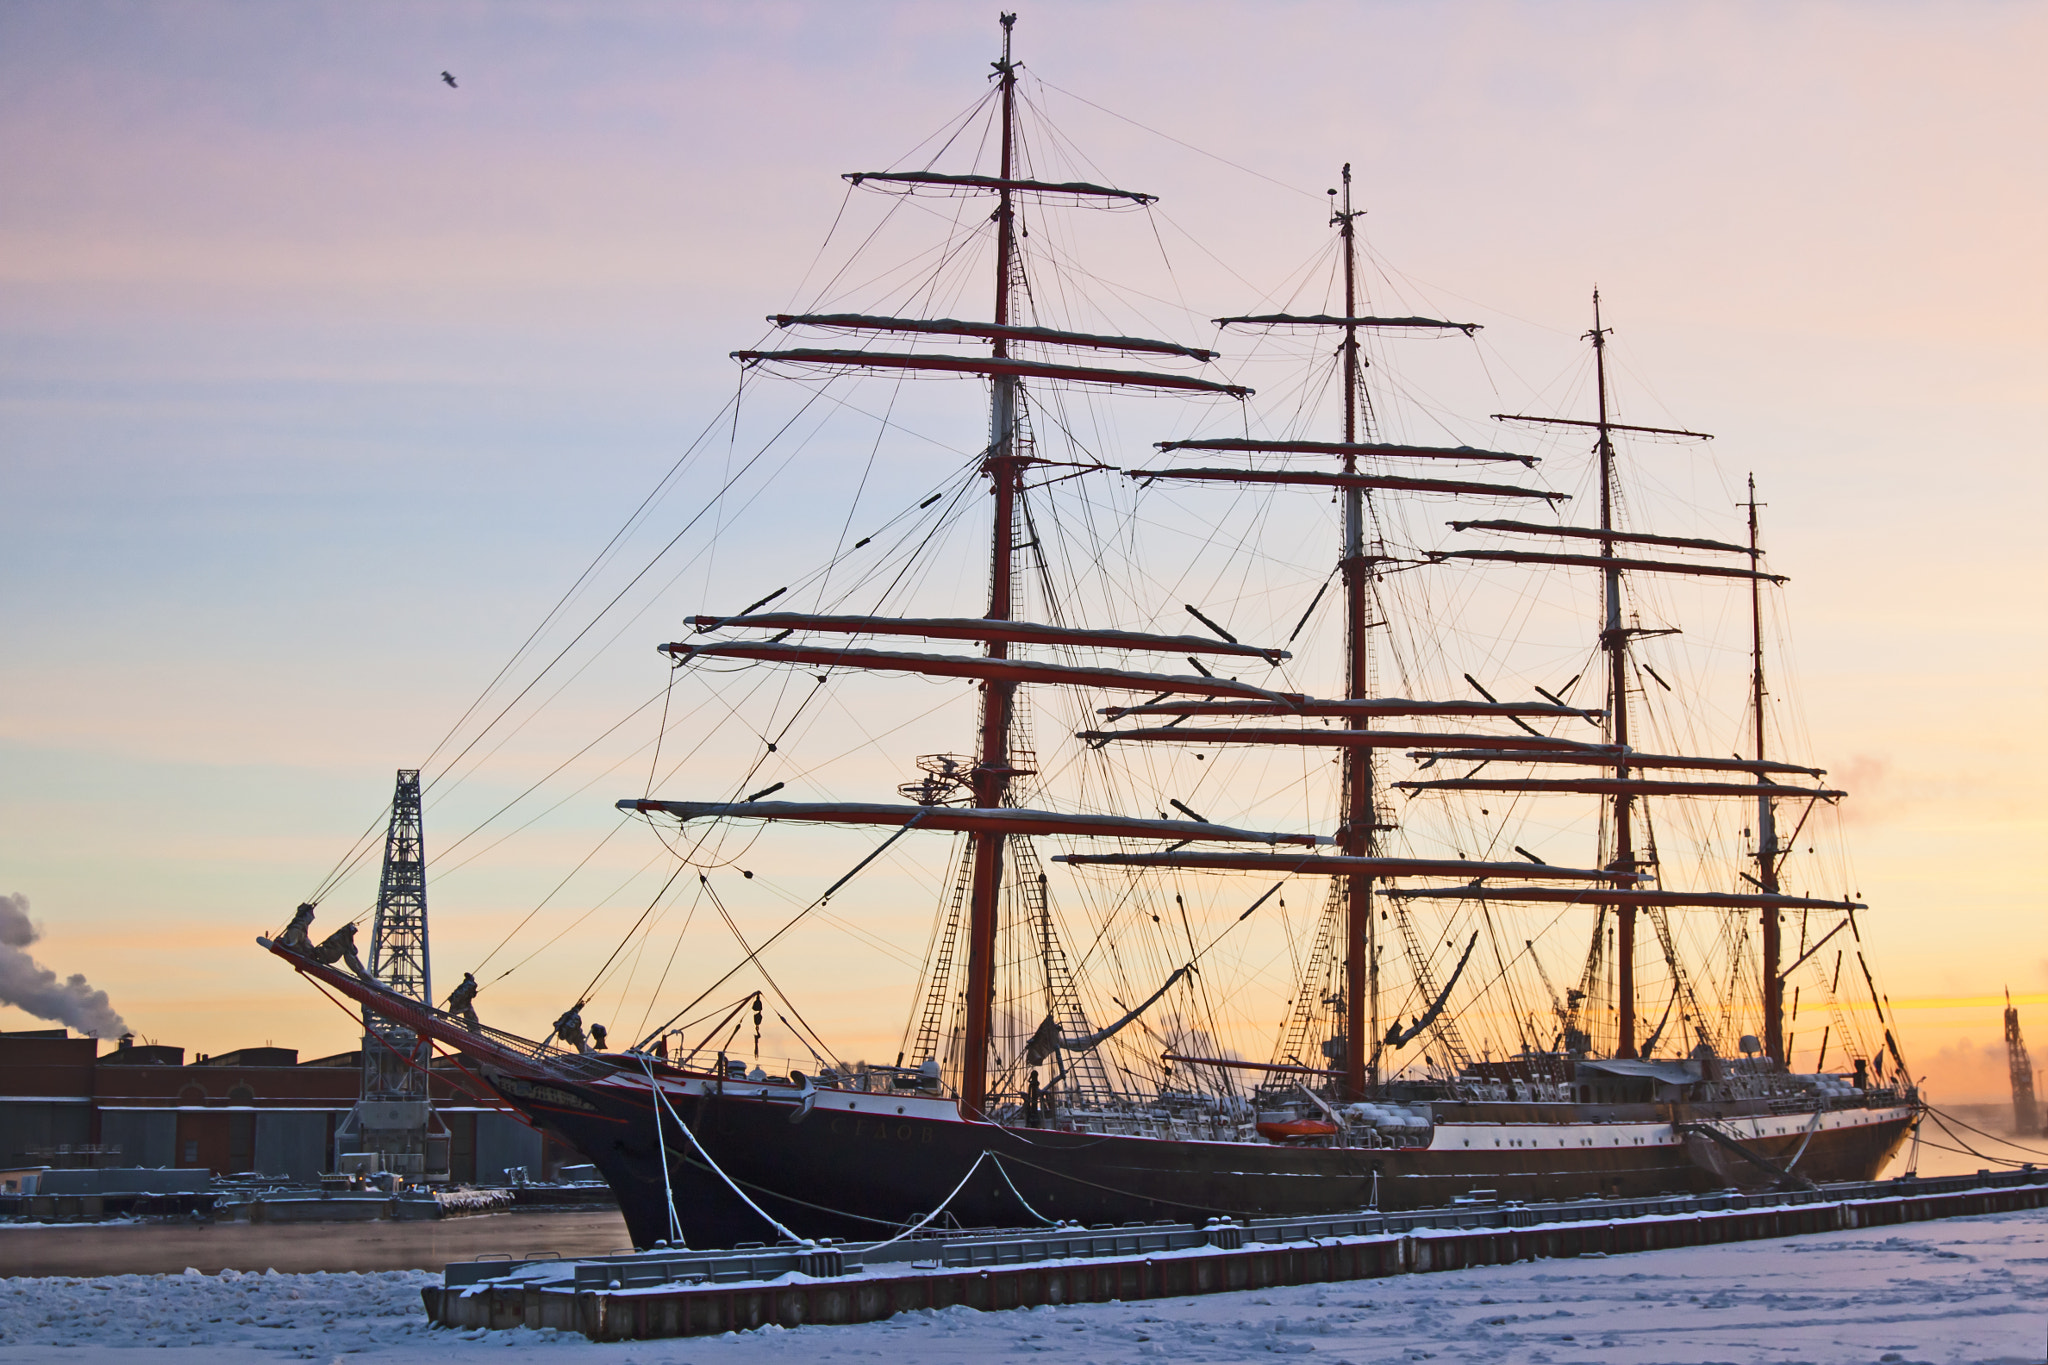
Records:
x=1018, y=1193
x=942, y=1203
x=716, y=1169
x=675, y=1227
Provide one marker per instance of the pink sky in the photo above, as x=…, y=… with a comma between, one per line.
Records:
x=323, y=379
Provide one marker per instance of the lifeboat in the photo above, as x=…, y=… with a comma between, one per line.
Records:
x=1297, y=1130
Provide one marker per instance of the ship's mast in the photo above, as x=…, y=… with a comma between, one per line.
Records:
x=1766, y=817
x=1614, y=639
x=1624, y=867
x=998, y=698
x=991, y=821
x=1350, y=935
x=1361, y=978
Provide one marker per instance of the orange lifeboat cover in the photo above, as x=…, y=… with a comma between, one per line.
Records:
x=1294, y=1130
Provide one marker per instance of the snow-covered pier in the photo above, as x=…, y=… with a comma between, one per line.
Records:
x=672, y=1293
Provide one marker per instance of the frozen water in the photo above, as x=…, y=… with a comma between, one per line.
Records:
x=1960, y=1290
x=224, y=1315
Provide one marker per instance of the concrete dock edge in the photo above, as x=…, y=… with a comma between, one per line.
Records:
x=699, y=1310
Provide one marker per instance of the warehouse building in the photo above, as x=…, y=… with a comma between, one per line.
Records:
x=66, y=1103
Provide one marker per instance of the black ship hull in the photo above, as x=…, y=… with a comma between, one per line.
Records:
x=718, y=1160
x=856, y=1166
x=717, y=1164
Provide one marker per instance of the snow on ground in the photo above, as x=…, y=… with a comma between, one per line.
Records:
x=1961, y=1290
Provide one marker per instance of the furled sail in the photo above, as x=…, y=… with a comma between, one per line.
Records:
x=1001, y=820
x=1698, y=900
x=1609, y=562
x=982, y=628
x=1077, y=188
x=1366, y=482
x=1335, y=865
x=1608, y=757
x=1398, y=1037
x=1358, y=449
x=1338, y=707
x=988, y=331
x=1528, y=748
x=958, y=666
x=1328, y=320
x=991, y=365
x=1618, y=786
x=1537, y=528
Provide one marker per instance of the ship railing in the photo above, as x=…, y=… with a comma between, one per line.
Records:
x=1110, y=1123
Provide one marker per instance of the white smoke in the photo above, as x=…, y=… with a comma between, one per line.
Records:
x=27, y=985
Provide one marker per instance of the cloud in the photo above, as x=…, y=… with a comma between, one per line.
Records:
x=1966, y=1072
x=29, y=986
x=1873, y=797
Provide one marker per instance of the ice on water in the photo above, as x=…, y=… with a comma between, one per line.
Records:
x=1962, y=1290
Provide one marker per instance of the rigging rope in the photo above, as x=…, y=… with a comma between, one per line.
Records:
x=1945, y=1118
x=780, y=994
x=754, y=954
x=1199, y=151
x=365, y=841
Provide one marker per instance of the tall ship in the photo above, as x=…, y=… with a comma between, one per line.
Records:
x=1570, y=915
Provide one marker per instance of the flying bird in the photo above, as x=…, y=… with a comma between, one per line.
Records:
x=450, y=79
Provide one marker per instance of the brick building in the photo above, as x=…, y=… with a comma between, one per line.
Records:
x=63, y=1102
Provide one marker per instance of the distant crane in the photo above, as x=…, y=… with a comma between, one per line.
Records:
x=393, y=1126
x=2026, y=1115
x=1557, y=1006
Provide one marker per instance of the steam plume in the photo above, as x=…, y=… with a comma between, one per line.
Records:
x=27, y=985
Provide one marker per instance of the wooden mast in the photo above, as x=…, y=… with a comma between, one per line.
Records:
x=1766, y=816
x=1361, y=979
x=1615, y=641
x=1358, y=832
x=998, y=698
